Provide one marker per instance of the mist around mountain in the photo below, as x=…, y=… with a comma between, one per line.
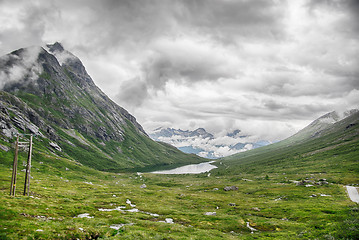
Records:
x=47, y=91
x=205, y=144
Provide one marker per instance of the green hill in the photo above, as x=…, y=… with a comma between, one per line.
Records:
x=332, y=148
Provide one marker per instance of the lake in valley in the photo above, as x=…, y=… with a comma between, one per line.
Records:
x=189, y=169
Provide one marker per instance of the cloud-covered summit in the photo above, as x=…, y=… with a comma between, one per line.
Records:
x=266, y=67
x=12, y=70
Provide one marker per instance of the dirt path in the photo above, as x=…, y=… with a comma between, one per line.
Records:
x=353, y=194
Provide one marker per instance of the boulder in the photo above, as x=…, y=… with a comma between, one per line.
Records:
x=231, y=188
x=55, y=146
x=299, y=183
x=210, y=214
x=256, y=209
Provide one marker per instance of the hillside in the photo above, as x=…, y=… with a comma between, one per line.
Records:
x=47, y=92
x=326, y=145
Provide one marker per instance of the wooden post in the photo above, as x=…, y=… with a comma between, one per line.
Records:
x=14, y=169
x=28, y=168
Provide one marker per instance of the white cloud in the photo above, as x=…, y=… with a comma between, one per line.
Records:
x=17, y=71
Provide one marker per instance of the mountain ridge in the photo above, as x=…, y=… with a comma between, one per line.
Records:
x=316, y=127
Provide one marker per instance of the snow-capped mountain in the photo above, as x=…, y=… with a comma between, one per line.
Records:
x=205, y=144
x=315, y=128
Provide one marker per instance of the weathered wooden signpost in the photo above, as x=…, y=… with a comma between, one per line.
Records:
x=14, y=169
x=28, y=166
x=28, y=169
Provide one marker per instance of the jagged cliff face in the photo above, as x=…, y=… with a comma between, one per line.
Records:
x=47, y=91
x=59, y=79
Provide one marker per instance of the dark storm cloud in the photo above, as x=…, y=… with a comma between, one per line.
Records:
x=295, y=111
x=237, y=19
x=95, y=24
x=348, y=7
x=141, y=20
x=342, y=67
x=133, y=92
x=273, y=105
x=184, y=61
x=129, y=22
x=136, y=25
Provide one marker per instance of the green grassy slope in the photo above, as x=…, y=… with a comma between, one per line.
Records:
x=135, y=151
x=335, y=150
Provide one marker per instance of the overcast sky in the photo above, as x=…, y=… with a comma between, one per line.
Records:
x=266, y=67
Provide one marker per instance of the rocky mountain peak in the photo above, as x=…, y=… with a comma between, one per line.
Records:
x=56, y=47
x=60, y=82
x=236, y=133
x=202, y=132
x=69, y=60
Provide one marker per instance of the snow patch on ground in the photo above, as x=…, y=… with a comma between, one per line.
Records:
x=129, y=203
x=167, y=220
x=114, y=209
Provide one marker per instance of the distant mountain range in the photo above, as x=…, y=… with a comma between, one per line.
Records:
x=205, y=144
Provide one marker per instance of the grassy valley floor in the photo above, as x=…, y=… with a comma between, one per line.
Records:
x=198, y=205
